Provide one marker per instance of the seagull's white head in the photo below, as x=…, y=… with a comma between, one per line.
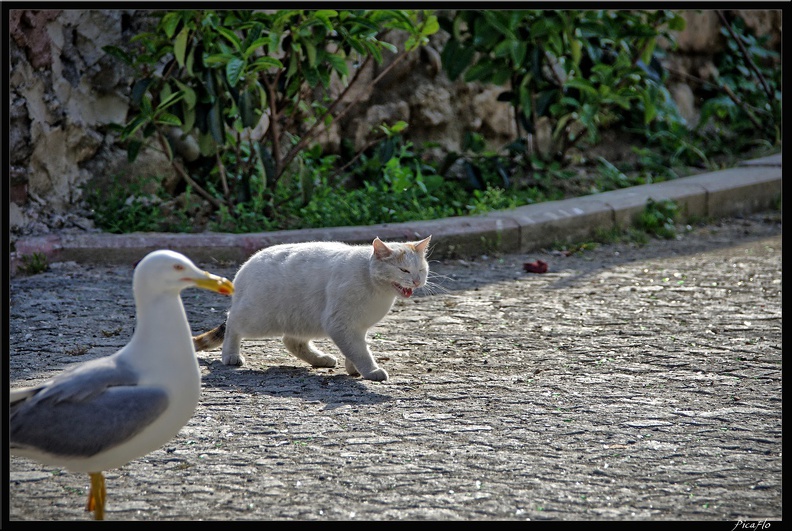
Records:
x=166, y=270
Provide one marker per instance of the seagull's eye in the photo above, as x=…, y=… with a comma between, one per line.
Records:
x=178, y=267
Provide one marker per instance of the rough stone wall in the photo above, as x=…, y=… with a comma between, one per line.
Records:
x=64, y=91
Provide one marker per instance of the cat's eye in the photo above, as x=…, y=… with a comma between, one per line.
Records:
x=404, y=270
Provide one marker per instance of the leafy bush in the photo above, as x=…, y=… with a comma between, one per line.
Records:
x=141, y=206
x=35, y=263
x=569, y=73
x=237, y=99
x=659, y=218
x=254, y=87
x=746, y=104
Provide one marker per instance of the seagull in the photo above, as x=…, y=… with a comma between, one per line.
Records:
x=106, y=412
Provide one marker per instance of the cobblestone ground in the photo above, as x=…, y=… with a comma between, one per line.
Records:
x=626, y=383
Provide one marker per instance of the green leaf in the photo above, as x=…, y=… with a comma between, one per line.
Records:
x=310, y=51
x=543, y=101
x=234, y=69
x=519, y=49
x=399, y=126
x=190, y=62
x=525, y=100
x=324, y=15
x=431, y=26
x=375, y=51
x=207, y=144
x=255, y=45
x=189, y=119
x=270, y=175
x=648, y=50
x=230, y=36
x=338, y=64
x=484, y=35
x=556, y=44
x=189, y=94
x=118, y=53
x=167, y=118
x=677, y=23
x=165, y=92
x=389, y=46
x=583, y=85
x=149, y=129
x=169, y=22
x=496, y=20
x=215, y=122
x=145, y=105
x=210, y=87
x=311, y=76
x=480, y=72
x=170, y=100
x=650, y=111
x=247, y=109
x=456, y=58
x=262, y=96
x=139, y=89
x=180, y=46
x=501, y=76
x=263, y=63
x=502, y=49
x=574, y=49
x=132, y=127
x=561, y=125
x=218, y=58
x=133, y=149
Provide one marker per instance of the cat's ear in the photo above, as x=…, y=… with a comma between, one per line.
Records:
x=380, y=249
x=422, y=245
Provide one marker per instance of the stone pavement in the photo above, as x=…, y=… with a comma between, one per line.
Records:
x=752, y=186
x=628, y=382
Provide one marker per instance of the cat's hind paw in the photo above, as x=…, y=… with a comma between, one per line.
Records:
x=350, y=367
x=324, y=360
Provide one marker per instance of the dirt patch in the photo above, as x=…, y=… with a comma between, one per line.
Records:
x=625, y=383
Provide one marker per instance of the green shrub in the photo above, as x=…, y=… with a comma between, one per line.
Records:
x=567, y=74
x=659, y=218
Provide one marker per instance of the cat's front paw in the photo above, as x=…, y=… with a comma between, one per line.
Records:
x=233, y=359
x=377, y=375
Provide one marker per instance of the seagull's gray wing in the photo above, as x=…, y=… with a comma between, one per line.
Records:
x=85, y=410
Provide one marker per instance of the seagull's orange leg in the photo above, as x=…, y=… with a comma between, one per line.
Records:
x=97, y=495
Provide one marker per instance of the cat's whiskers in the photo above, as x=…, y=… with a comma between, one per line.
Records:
x=433, y=288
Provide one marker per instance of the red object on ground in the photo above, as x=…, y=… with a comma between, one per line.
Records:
x=535, y=267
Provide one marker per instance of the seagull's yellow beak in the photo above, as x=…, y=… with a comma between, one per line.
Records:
x=215, y=283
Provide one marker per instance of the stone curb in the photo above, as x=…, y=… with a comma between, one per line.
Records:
x=752, y=186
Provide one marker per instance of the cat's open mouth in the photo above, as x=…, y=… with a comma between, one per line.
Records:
x=405, y=292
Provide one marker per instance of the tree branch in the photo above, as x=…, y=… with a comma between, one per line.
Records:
x=314, y=130
x=746, y=56
x=274, y=126
x=206, y=195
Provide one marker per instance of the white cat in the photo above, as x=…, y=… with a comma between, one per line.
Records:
x=305, y=291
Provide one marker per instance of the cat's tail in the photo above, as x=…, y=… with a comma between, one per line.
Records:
x=210, y=339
